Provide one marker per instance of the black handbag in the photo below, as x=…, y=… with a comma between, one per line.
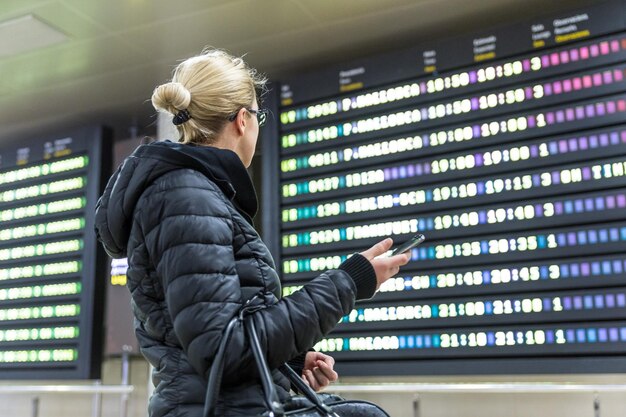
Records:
x=310, y=404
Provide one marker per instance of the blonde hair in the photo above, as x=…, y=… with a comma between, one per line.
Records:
x=211, y=87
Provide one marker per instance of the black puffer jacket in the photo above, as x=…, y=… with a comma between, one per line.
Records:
x=181, y=214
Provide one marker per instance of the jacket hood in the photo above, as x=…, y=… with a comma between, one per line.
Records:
x=114, y=210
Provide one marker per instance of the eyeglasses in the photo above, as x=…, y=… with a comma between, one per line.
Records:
x=261, y=115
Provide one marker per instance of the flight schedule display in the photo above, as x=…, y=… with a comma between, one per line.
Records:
x=507, y=149
x=51, y=284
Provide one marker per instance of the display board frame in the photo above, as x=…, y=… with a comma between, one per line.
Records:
x=540, y=55
x=82, y=359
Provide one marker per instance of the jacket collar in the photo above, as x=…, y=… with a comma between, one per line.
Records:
x=222, y=166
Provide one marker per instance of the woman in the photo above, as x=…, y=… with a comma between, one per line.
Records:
x=182, y=214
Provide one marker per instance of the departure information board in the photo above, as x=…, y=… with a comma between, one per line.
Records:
x=508, y=151
x=51, y=282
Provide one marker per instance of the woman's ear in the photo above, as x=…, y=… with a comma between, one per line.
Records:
x=241, y=121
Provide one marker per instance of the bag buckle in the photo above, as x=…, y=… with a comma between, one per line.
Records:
x=249, y=307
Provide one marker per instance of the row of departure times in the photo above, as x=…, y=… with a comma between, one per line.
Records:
x=594, y=53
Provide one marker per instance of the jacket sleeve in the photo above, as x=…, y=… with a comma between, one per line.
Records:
x=189, y=233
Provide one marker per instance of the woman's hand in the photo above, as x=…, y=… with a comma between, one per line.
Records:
x=385, y=267
x=318, y=370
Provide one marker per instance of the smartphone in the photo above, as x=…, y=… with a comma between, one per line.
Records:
x=409, y=244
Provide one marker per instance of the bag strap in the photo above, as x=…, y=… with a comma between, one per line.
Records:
x=306, y=390
x=271, y=397
x=269, y=390
x=217, y=369
x=268, y=384
x=285, y=370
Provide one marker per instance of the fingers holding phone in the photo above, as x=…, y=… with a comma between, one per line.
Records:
x=404, y=250
x=409, y=244
x=387, y=267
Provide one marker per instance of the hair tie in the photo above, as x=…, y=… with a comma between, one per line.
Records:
x=181, y=117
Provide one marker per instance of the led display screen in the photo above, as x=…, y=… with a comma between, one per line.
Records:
x=507, y=149
x=51, y=269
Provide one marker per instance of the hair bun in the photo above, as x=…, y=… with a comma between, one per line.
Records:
x=171, y=97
